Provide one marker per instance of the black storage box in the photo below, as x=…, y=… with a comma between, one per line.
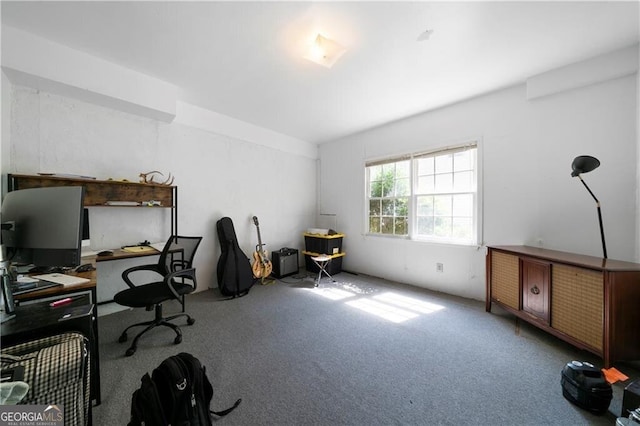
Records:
x=285, y=262
x=333, y=267
x=630, y=398
x=323, y=244
x=585, y=386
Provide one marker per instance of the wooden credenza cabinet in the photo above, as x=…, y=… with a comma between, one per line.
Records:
x=590, y=302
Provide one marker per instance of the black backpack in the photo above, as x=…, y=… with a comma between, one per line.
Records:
x=177, y=393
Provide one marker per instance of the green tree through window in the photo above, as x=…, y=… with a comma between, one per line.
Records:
x=389, y=191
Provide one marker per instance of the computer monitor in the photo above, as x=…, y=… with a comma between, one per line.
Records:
x=86, y=232
x=43, y=226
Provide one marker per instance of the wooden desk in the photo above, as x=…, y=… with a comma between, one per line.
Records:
x=35, y=318
x=61, y=290
x=121, y=254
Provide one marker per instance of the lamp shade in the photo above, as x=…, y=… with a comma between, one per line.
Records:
x=584, y=164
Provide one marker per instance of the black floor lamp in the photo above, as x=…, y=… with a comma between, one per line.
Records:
x=585, y=164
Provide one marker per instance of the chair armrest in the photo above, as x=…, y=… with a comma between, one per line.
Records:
x=175, y=264
x=189, y=274
x=128, y=271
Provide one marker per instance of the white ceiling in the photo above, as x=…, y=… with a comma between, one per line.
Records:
x=243, y=59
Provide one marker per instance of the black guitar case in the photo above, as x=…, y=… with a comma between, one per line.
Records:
x=235, y=276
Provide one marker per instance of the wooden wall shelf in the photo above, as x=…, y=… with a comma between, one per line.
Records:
x=99, y=192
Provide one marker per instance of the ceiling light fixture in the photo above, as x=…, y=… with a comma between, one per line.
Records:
x=324, y=51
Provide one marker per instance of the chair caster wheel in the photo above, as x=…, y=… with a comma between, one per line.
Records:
x=191, y=321
x=177, y=340
x=130, y=351
x=122, y=338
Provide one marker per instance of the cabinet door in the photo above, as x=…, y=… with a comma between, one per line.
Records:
x=577, y=305
x=505, y=281
x=536, y=288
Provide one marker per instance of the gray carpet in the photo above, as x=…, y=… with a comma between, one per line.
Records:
x=301, y=355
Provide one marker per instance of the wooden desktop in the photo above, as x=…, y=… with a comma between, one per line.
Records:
x=62, y=290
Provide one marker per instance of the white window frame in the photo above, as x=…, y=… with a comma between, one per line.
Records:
x=412, y=228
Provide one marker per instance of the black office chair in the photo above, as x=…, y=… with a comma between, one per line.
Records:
x=175, y=266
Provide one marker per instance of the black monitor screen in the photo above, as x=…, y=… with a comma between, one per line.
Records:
x=86, y=235
x=43, y=226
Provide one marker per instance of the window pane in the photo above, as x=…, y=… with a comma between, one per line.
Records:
x=387, y=186
x=387, y=207
x=425, y=225
x=444, y=163
x=401, y=207
x=375, y=179
x=374, y=224
x=463, y=205
x=403, y=169
x=401, y=226
x=462, y=161
x=403, y=187
x=375, y=172
x=462, y=227
x=442, y=204
x=426, y=166
x=463, y=181
x=426, y=184
x=425, y=206
x=386, y=226
x=389, y=169
x=444, y=183
x=442, y=227
x=376, y=189
x=382, y=180
x=374, y=208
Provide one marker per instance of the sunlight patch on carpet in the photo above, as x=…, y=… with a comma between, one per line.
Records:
x=383, y=310
x=389, y=305
x=333, y=293
x=408, y=303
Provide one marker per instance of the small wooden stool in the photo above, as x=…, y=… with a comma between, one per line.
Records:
x=322, y=261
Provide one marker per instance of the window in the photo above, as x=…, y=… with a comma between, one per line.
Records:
x=389, y=192
x=425, y=196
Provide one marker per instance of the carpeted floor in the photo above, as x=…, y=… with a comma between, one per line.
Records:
x=360, y=351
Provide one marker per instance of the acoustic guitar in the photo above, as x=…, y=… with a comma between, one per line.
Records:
x=261, y=264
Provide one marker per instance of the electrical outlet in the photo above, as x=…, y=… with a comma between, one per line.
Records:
x=439, y=267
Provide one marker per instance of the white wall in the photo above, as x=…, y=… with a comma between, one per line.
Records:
x=529, y=197
x=216, y=175
x=60, y=116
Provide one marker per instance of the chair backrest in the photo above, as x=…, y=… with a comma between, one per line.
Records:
x=178, y=253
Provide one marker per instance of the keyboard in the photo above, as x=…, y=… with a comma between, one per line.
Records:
x=61, y=279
